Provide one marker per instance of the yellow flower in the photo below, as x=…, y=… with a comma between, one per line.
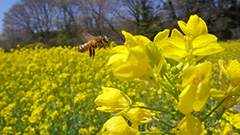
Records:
x=160, y=38
x=190, y=125
x=118, y=126
x=131, y=61
x=194, y=27
x=196, y=42
x=83, y=131
x=231, y=71
x=113, y=100
x=139, y=115
x=195, y=81
x=132, y=41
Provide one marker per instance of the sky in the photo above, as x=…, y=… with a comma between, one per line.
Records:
x=5, y=5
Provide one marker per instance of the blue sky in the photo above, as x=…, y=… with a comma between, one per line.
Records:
x=5, y=5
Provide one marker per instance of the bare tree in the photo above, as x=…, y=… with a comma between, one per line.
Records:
x=99, y=17
x=43, y=15
x=62, y=21
x=32, y=17
x=69, y=10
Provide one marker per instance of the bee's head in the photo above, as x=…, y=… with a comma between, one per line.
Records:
x=105, y=39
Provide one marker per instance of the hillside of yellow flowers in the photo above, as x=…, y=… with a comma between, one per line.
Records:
x=59, y=90
x=47, y=91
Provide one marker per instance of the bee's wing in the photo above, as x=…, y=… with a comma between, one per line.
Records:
x=86, y=36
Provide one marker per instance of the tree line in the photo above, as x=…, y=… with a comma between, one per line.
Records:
x=62, y=22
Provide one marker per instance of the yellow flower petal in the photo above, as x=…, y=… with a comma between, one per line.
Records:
x=133, y=66
x=189, y=75
x=174, y=52
x=217, y=93
x=117, y=59
x=203, y=40
x=161, y=37
x=187, y=98
x=177, y=42
x=206, y=45
x=195, y=81
x=176, y=33
x=190, y=125
x=142, y=40
x=233, y=71
x=136, y=55
x=128, y=72
x=118, y=126
x=131, y=41
x=139, y=115
x=122, y=49
x=175, y=48
x=194, y=27
x=201, y=95
x=112, y=99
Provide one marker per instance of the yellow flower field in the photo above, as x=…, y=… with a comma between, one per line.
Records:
x=50, y=91
x=163, y=86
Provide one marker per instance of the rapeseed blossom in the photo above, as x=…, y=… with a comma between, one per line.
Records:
x=194, y=27
x=196, y=87
x=189, y=125
x=196, y=41
x=233, y=119
x=139, y=116
x=113, y=100
x=232, y=72
x=130, y=61
x=118, y=126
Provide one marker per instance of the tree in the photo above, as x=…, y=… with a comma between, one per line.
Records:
x=68, y=12
x=61, y=22
x=145, y=14
x=36, y=18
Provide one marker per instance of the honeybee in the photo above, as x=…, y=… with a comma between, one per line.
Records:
x=93, y=43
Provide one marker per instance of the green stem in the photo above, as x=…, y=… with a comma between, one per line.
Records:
x=175, y=87
x=165, y=75
x=169, y=90
x=217, y=121
x=163, y=122
x=159, y=66
x=219, y=104
x=150, y=108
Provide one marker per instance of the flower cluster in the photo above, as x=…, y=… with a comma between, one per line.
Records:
x=114, y=100
x=176, y=66
x=47, y=91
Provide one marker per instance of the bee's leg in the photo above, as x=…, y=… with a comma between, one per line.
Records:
x=104, y=46
x=93, y=52
x=90, y=51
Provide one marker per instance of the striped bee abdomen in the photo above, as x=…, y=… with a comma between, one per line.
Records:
x=84, y=47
